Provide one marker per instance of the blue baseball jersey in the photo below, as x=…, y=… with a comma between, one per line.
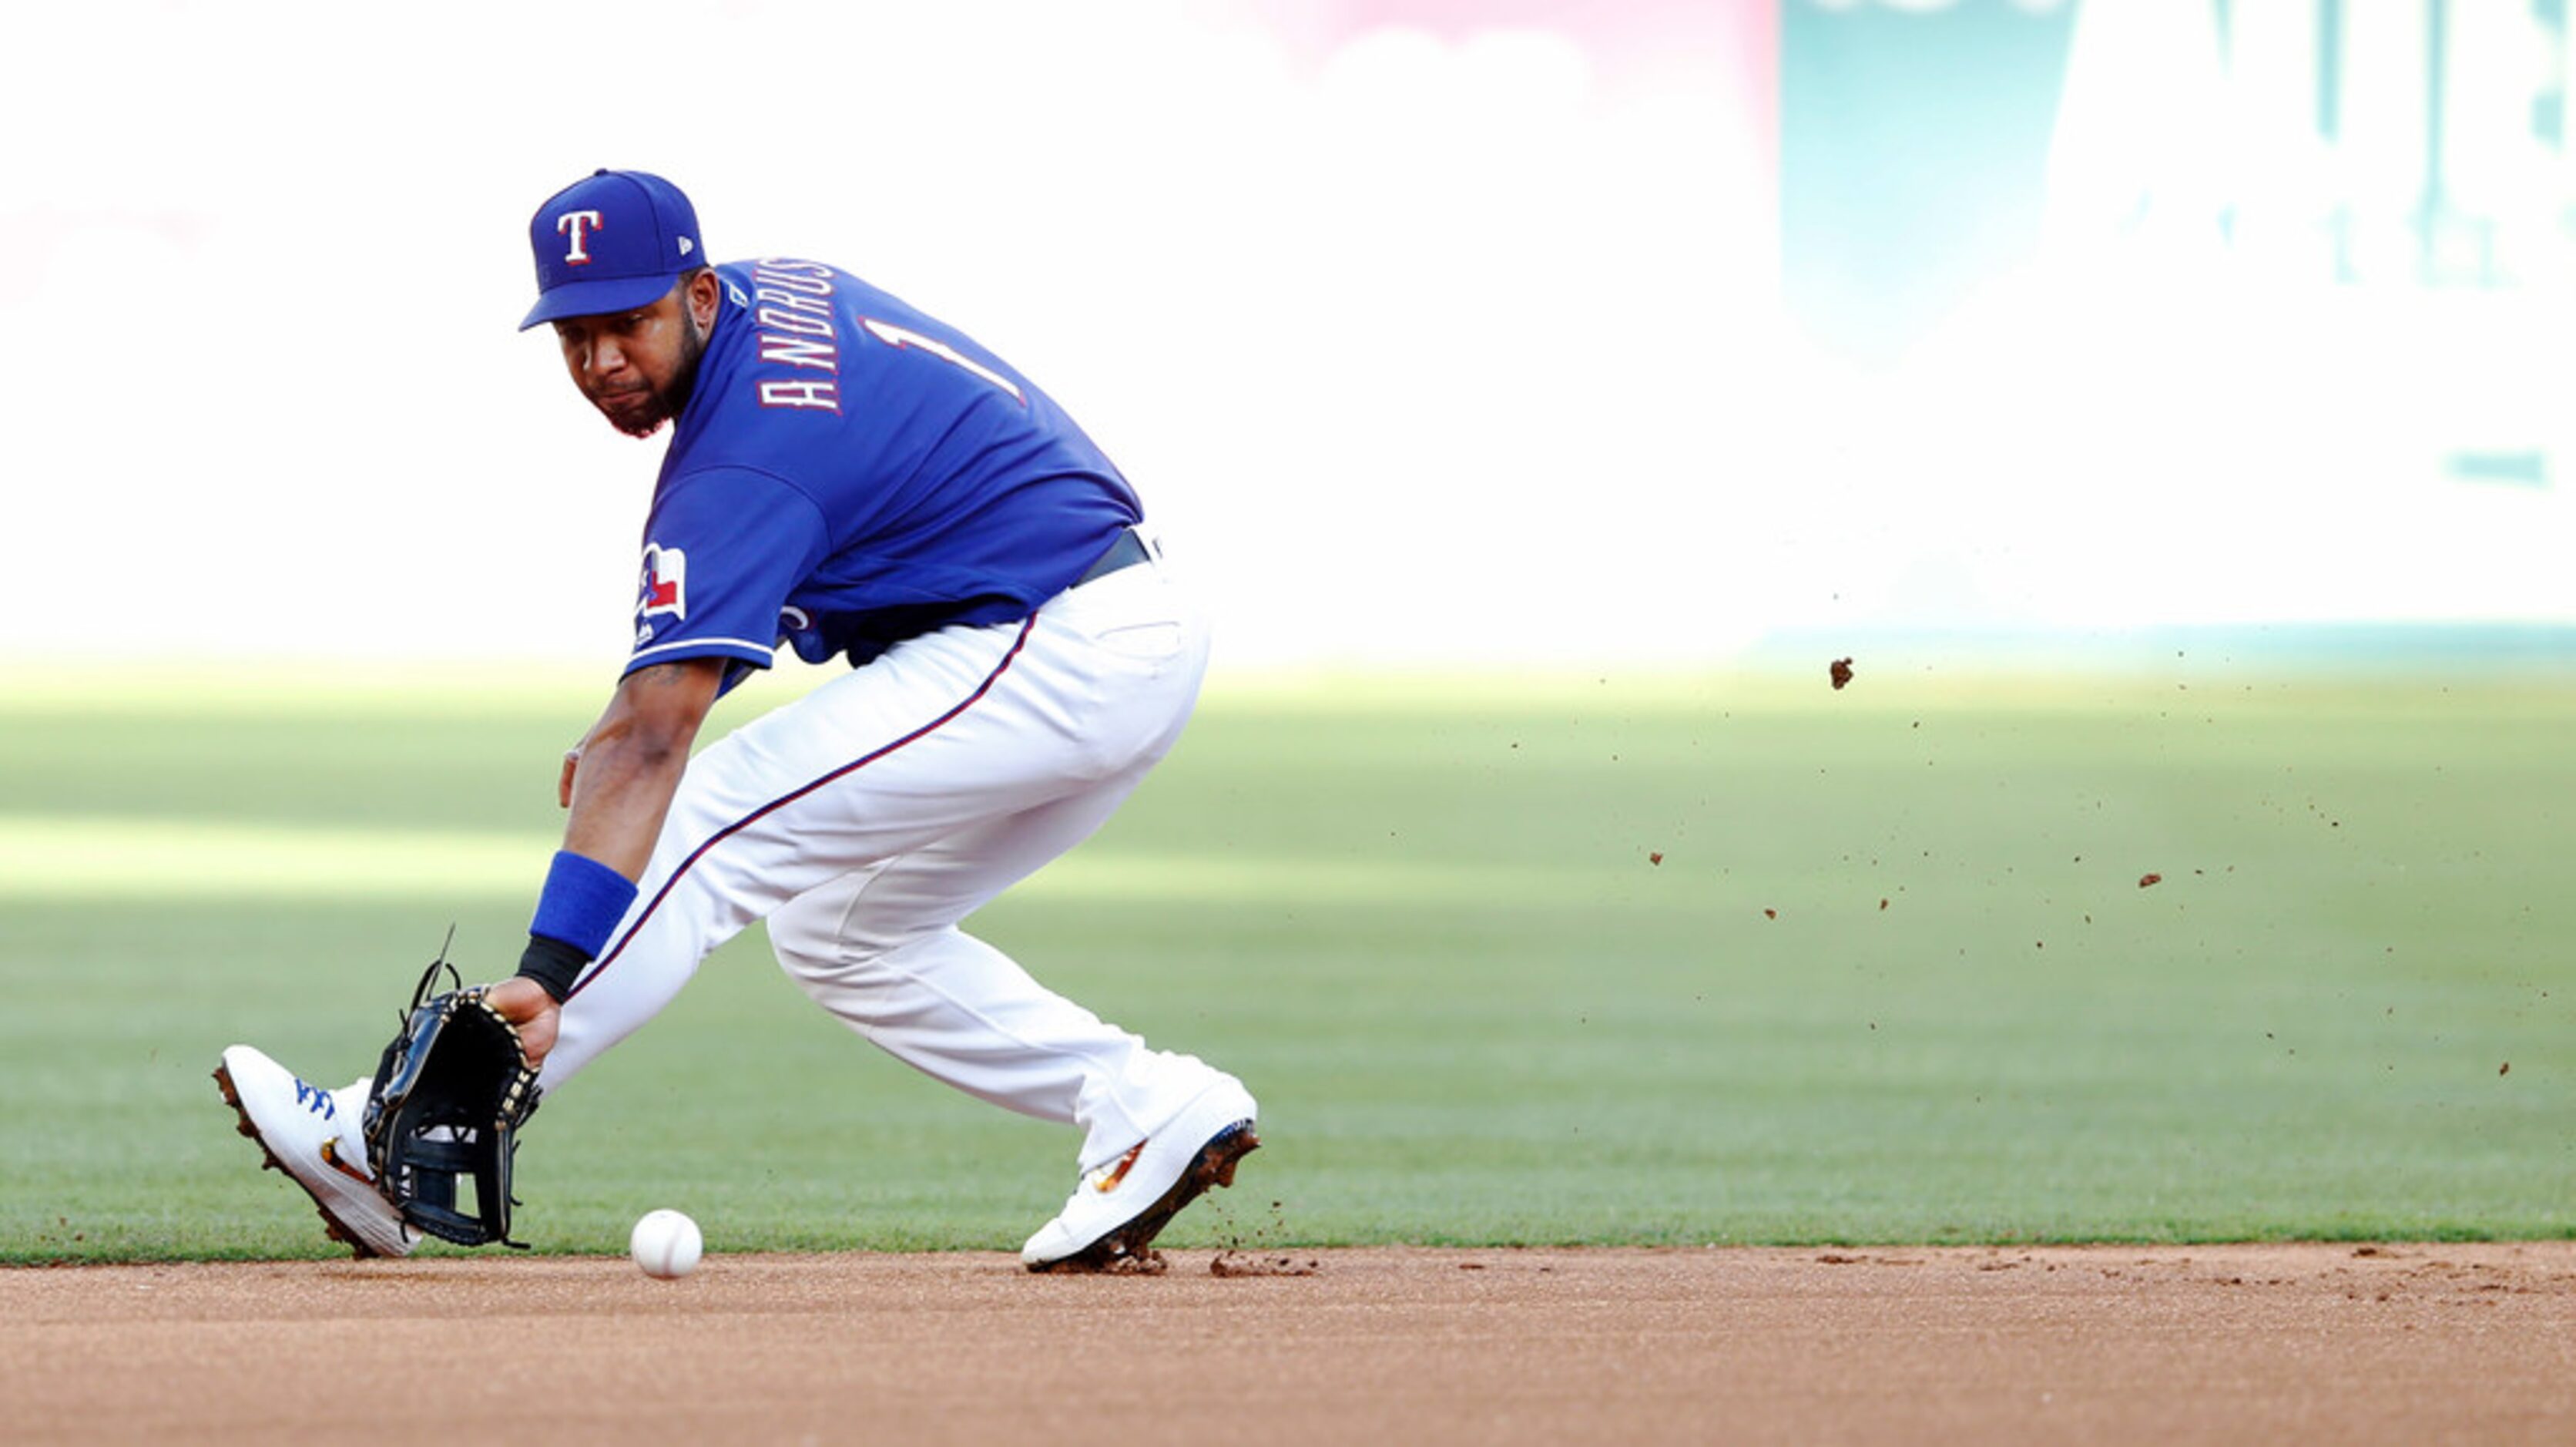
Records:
x=850, y=472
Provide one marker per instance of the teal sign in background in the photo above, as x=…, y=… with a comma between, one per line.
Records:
x=1913, y=156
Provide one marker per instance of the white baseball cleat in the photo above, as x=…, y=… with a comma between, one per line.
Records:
x=1114, y=1215
x=315, y=1136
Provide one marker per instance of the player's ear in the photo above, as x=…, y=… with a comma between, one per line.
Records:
x=704, y=292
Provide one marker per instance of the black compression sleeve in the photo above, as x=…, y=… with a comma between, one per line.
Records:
x=553, y=964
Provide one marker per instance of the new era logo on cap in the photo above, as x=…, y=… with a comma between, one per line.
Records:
x=609, y=242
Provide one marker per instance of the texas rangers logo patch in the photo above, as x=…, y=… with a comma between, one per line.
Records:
x=665, y=585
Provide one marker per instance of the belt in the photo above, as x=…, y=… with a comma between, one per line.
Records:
x=1125, y=551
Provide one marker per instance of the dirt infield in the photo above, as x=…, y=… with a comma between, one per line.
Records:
x=2403, y=1343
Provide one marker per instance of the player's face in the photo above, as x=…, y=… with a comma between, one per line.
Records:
x=637, y=367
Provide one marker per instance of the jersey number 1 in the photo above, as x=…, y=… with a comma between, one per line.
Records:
x=895, y=336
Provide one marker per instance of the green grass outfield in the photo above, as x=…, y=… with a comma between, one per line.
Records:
x=1598, y=959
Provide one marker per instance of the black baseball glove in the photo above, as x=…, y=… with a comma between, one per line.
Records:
x=450, y=1095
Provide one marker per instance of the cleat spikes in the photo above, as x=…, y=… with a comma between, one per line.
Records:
x=1131, y=1246
x=1222, y=1168
x=358, y=1250
x=332, y=1226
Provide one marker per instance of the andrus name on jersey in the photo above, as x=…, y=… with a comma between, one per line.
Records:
x=792, y=307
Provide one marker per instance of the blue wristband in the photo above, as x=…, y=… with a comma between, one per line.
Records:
x=582, y=903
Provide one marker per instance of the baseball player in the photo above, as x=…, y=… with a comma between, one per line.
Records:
x=846, y=476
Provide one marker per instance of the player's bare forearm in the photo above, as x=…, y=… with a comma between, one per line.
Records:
x=630, y=765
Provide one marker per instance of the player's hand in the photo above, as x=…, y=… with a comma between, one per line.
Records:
x=524, y=1003
x=563, y=786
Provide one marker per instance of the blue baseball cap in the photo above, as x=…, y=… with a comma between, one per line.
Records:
x=610, y=242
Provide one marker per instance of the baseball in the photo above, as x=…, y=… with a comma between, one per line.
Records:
x=666, y=1244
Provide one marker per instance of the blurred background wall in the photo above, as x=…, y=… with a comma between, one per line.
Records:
x=1436, y=333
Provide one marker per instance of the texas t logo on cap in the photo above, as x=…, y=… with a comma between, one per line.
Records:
x=610, y=242
x=577, y=224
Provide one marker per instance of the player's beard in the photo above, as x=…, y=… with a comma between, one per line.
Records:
x=660, y=404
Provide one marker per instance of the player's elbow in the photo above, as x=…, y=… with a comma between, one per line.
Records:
x=660, y=708
x=659, y=747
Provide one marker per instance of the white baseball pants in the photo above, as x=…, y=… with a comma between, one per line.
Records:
x=866, y=819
